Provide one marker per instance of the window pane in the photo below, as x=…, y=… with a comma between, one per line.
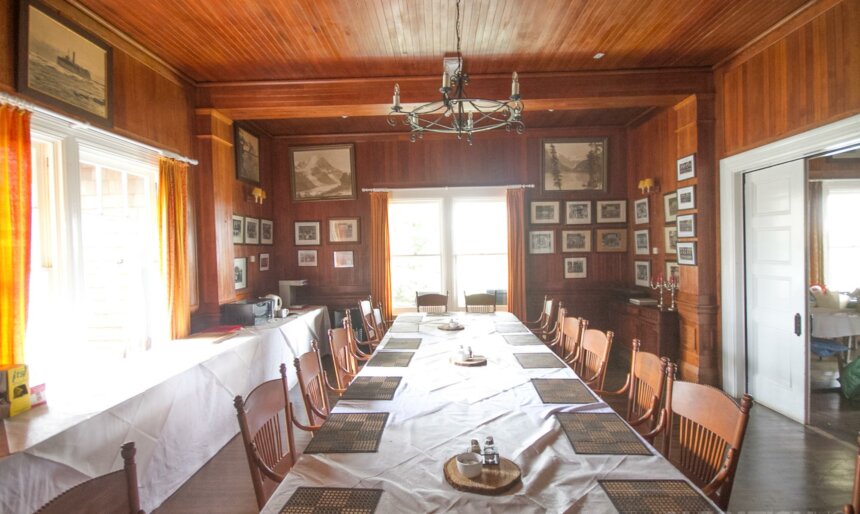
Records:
x=412, y=274
x=480, y=273
x=480, y=226
x=415, y=228
x=842, y=238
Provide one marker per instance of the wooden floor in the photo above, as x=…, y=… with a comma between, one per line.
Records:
x=784, y=466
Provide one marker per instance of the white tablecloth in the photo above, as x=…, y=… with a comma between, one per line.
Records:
x=440, y=407
x=832, y=323
x=175, y=403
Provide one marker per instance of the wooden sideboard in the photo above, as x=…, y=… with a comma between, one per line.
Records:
x=656, y=329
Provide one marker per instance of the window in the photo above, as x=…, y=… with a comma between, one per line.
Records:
x=841, y=237
x=447, y=242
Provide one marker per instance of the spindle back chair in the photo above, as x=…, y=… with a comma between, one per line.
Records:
x=343, y=360
x=480, y=302
x=431, y=302
x=572, y=329
x=315, y=386
x=593, y=357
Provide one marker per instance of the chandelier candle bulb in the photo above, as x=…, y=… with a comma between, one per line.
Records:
x=445, y=80
x=396, y=97
x=515, y=86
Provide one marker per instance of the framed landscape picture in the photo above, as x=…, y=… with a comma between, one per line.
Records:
x=238, y=225
x=247, y=148
x=344, y=259
x=574, y=165
x=687, y=254
x=671, y=239
x=687, y=197
x=541, y=241
x=686, y=167
x=252, y=231
x=307, y=258
x=687, y=225
x=577, y=213
x=612, y=211
x=64, y=65
x=642, y=271
x=267, y=232
x=343, y=230
x=642, y=243
x=545, y=212
x=323, y=172
x=575, y=240
x=307, y=233
x=612, y=240
x=640, y=211
x=670, y=207
x=574, y=267
x=240, y=273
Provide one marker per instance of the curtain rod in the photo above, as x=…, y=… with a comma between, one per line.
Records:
x=77, y=124
x=445, y=188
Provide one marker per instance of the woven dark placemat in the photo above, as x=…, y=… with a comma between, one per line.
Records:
x=522, y=340
x=391, y=359
x=538, y=360
x=332, y=500
x=400, y=328
x=562, y=390
x=402, y=343
x=349, y=433
x=512, y=328
x=372, y=388
x=601, y=433
x=655, y=496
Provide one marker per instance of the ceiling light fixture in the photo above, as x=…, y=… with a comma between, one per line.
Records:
x=457, y=113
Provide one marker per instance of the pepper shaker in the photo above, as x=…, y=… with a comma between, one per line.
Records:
x=491, y=454
x=475, y=447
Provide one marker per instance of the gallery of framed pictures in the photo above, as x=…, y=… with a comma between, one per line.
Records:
x=324, y=172
x=63, y=65
x=574, y=164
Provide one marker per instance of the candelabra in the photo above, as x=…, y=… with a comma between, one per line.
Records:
x=672, y=286
x=660, y=285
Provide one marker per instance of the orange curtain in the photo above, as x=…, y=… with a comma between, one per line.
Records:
x=516, y=253
x=15, y=185
x=173, y=242
x=816, y=234
x=380, y=252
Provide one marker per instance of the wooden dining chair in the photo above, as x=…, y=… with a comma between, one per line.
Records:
x=343, y=360
x=854, y=506
x=372, y=332
x=480, y=302
x=593, y=357
x=353, y=342
x=545, y=320
x=113, y=493
x=705, y=431
x=431, y=302
x=381, y=322
x=552, y=331
x=315, y=386
x=556, y=342
x=644, y=388
x=572, y=329
x=266, y=422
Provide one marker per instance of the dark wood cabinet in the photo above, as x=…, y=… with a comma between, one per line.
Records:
x=656, y=329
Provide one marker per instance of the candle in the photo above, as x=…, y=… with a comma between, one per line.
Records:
x=445, y=80
x=396, y=96
x=515, y=85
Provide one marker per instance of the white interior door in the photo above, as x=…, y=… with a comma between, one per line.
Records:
x=776, y=293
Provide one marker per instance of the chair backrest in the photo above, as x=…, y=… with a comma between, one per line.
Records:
x=545, y=318
x=365, y=307
x=343, y=361
x=113, y=493
x=647, y=383
x=554, y=338
x=265, y=422
x=313, y=385
x=854, y=506
x=431, y=302
x=594, y=356
x=379, y=318
x=706, y=429
x=480, y=302
x=572, y=329
x=352, y=339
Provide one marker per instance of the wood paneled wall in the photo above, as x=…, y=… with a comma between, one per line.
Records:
x=803, y=75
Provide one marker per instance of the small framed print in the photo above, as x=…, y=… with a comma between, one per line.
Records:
x=642, y=271
x=252, y=231
x=687, y=167
x=307, y=258
x=264, y=262
x=344, y=259
x=240, y=273
x=541, y=241
x=545, y=213
x=238, y=229
x=612, y=240
x=575, y=240
x=267, y=232
x=641, y=242
x=687, y=254
x=640, y=211
x=307, y=233
x=673, y=272
x=575, y=267
x=612, y=211
x=671, y=239
x=670, y=207
x=343, y=230
x=687, y=225
x=686, y=198
x=577, y=213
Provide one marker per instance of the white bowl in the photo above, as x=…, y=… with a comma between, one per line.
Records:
x=469, y=464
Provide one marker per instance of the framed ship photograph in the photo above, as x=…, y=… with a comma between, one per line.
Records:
x=64, y=65
x=573, y=165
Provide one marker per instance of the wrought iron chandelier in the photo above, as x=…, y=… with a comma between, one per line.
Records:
x=457, y=113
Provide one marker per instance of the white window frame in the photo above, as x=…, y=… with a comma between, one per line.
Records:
x=836, y=187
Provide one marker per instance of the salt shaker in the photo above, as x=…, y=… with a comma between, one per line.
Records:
x=491, y=454
x=475, y=447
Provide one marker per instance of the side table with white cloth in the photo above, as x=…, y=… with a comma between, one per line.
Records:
x=175, y=402
x=438, y=407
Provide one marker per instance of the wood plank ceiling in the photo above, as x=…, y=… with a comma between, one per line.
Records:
x=219, y=41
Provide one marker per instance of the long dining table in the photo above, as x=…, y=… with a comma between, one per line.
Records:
x=439, y=407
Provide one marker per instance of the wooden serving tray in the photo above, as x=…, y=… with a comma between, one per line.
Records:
x=493, y=480
x=473, y=361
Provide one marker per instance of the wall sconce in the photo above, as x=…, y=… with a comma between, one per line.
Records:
x=647, y=186
x=258, y=194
